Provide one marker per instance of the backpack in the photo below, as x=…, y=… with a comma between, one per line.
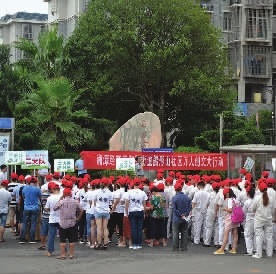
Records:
x=237, y=216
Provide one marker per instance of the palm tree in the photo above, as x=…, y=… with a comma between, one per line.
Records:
x=49, y=108
x=46, y=58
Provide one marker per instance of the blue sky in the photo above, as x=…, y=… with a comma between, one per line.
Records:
x=13, y=6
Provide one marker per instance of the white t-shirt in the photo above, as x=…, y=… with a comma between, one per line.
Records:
x=123, y=201
x=136, y=199
x=208, y=188
x=220, y=201
x=169, y=190
x=3, y=176
x=52, y=200
x=248, y=209
x=263, y=214
x=118, y=194
x=212, y=204
x=102, y=199
x=201, y=199
x=272, y=195
x=82, y=196
x=5, y=198
x=91, y=194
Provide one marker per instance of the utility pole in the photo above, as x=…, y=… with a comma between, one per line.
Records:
x=274, y=111
x=220, y=129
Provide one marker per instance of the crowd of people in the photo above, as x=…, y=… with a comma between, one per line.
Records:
x=137, y=212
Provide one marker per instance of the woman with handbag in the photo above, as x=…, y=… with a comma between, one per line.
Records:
x=229, y=226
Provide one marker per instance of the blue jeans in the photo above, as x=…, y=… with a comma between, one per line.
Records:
x=136, y=219
x=89, y=218
x=44, y=227
x=29, y=216
x=51, y=236
x=3, y=219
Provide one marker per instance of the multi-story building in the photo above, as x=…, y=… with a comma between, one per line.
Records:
x=21, y=25
x=65, y=14
x=248, y=28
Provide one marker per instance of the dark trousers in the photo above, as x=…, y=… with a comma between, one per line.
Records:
x=136, y=219
x=146, y=226
x=158, y=230
x=82, y=226
x=116, y=219
x=182, y=228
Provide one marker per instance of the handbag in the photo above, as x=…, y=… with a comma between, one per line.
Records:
x=237, y=215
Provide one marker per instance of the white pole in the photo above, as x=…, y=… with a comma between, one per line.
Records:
x=220, y=130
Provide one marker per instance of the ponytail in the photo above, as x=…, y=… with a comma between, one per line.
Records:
x=265, y=198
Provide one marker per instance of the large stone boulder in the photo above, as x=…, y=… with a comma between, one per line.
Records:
x=141, y=131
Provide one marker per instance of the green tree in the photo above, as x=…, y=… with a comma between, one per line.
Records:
x=237, y=130
x=9, y=83
x=47, y=118
x=164, y=56
x=46, y=57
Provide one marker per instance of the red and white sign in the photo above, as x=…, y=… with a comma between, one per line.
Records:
x=155, y=160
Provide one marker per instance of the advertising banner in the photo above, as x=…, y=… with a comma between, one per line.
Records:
x=15, y=158
x=155, y=160
x=64, y=165
x=4, y=146
x=36, y=159
x=125, y=164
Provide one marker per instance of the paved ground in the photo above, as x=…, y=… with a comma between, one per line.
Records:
x=16, y=258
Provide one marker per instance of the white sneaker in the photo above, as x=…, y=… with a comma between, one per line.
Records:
x=134, y=247
x=256, y=256
x=138, y=247
x=130, y=247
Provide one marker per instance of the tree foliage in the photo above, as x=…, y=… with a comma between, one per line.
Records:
x=47, y=117
x=164, y=56
x=9, y=84
x=46, y=58
x=237, y=130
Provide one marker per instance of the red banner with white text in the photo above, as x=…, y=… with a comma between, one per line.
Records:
x=157, y=160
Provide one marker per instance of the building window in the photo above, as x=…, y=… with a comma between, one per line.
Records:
x=235, y=21
x=28, y=31
x=43, y=28
x=257, y=23
x=274, y=42
x=257, y=61
x=86, y=4
x=227, y=20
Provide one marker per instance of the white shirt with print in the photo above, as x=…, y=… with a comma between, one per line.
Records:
x=136, y=199
x=52, y=200
x=102, y=200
